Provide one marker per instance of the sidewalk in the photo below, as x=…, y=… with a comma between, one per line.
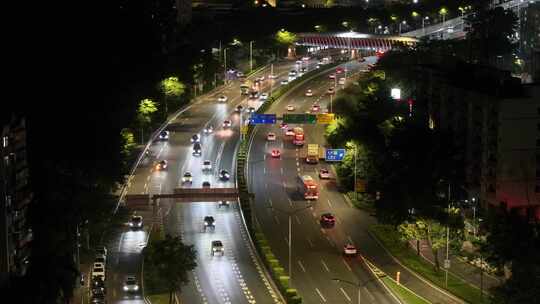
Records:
x=466, y=271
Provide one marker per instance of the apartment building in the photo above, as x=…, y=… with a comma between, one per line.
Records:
x=15, y=197
x=495, y=122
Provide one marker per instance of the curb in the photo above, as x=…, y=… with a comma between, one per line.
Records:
x=453, y=297
x=379, y=272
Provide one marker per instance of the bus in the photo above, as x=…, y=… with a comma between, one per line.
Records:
x=308, y=187
x=244, y=88
x=298, y=137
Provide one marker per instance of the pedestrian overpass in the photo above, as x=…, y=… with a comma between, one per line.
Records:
x=354, y=41
x=182, y=195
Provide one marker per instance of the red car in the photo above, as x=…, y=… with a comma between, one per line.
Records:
x=283, y=126
x=328, y=220
x=276, y=153
x=339, y=70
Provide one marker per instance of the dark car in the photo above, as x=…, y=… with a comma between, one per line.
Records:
x=328, y=220
x=164, y=135
x=224, y=175
x=206, y=184
x=161, y=165
x=197, y=151
x=136, y=222
x=239, y=108
x=209, y=222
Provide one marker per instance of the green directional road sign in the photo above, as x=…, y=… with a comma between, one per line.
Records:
x=300, y=118
x=311, y=119
x=294, y=118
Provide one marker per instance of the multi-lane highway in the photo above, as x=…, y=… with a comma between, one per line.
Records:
x=236, y=277
x=317, y=252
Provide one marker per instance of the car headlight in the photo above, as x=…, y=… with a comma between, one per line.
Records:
x=206, y=223
x=125, y=288
x=136, y=287
x=131, y=224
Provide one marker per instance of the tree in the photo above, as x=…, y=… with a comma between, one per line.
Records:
x=172, y=89
x=173, y=260
x=285, y=38
x=147, y=107
x=489, y=32
x=411, y=231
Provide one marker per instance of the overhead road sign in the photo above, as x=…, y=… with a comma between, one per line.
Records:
x=259, y=119
x=334, y=154
x=299, y=118
x=325, y=118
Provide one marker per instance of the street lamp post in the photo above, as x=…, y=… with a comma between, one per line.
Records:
x=225, y=63
x=290, y=214
x=447, y=242
x=402, y=22
x=251, y=55
x=423, y=24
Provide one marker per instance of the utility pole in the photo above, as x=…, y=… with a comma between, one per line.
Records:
x=355, y=192
x=225, y=64
x=251, y=55
x=447, y=261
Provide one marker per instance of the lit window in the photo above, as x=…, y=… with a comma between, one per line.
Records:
x=4, y=141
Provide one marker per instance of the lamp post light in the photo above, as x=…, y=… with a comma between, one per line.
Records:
x=443, y=11
x=423, y=24
x=251, y=55
x=402, y=22
x=225, y=63
x=290, y=214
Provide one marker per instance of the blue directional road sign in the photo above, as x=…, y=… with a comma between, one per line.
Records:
x=259, y=119
x=334, y=154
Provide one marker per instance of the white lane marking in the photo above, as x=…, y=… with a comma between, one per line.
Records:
x=345, y=294
x=281, y=170
x=320, y=294
x=148, y=178
x=298, y=169
x=301, y=266
x=346, y=264
x=330, y=241
x=297, y=219
x=329, y=203
x=369, y=294
x=286, y=241
x=264, y=170
x=264, y=157
x=310, y=242
x=325, y=266
x=270, y=202
x=290, y=202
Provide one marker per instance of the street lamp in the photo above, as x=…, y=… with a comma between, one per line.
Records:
x=443, y=11
x=423, y=24
x=402, y=22
x=290, y=214
x=251, y=55
x=225, y=63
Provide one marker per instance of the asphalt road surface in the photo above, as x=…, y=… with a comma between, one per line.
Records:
x=235, y=277
x=317, y=252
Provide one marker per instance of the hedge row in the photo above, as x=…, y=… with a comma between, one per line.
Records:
x=261, y=243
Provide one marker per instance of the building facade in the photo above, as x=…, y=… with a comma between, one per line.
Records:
x=530, y=40
x=15, y=197
x=496, y=125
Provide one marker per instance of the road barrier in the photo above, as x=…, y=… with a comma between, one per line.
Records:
x=261, y=243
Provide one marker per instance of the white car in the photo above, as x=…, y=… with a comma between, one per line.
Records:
x=131, y=285
x=262, y=78
x=207, y=165
x=239, y=74
x=271, y=76
x=289, y=132
x=222, y=98
x=208, y=130
x=298, y=62
x=332, y=76
x=264, y=96
x=341, y=81
x=349, y=249
x=330, y=91
x=98, y=270
x=284, y=82
x=309, y=93
x=305, y=58
x=290, y=108
x=136, y=222
x=271, y=136
x=324, y=174
x=187, y=178
x=217, y=248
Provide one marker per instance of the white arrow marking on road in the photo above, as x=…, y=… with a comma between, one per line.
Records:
x=346, y=264
x=310, y=242
x=345, y=294
x=297, y=219
x=301, y=266
x=320, y=294
x=325, y=266
x=329, y=203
